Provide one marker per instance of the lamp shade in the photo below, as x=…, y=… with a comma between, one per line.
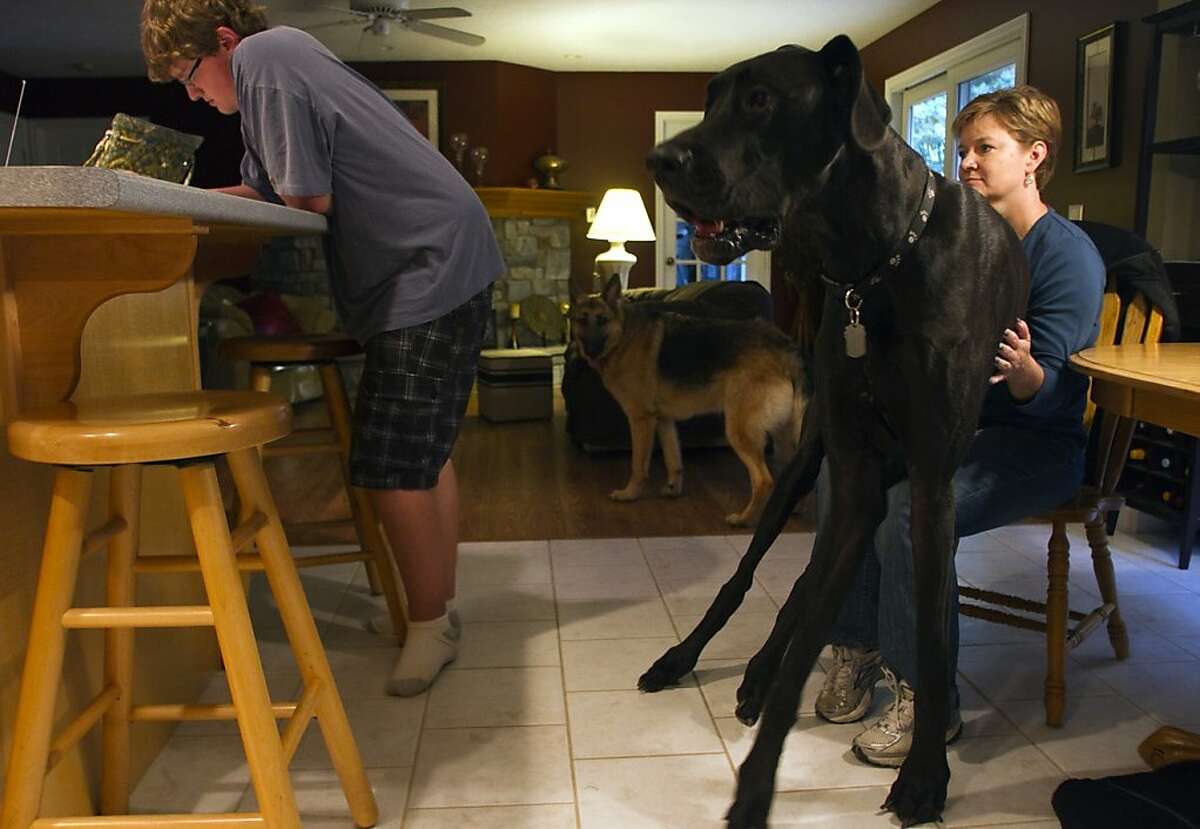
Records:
x=621, y=217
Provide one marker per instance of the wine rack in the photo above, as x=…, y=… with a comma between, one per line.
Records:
x=1160, y=479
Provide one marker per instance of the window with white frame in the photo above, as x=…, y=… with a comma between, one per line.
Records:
x=926, y=98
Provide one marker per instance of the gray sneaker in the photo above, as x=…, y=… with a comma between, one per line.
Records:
x=886, y=741
x=846, y=694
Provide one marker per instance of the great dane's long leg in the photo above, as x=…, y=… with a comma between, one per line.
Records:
x=764, y=665
x=797, y=480
x=857, y=508
x=919, y=793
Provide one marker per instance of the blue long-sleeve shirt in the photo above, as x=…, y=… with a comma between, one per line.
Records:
x=1066, y=290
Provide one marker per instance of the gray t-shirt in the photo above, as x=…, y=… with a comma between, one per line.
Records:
x=411, y=240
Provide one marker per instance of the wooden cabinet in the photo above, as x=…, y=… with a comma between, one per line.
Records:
x=1160, y=475
x=1168, y=195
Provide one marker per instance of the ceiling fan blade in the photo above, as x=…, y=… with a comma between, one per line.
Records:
x=434, y=14
x=446, y=34
x=329, y=24
x=344, y=10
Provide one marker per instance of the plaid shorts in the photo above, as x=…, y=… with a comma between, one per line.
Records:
x=412, y=396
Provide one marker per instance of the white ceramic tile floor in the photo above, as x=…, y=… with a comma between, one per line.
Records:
x=538, y=724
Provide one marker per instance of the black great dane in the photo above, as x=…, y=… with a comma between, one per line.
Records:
x=922, y=278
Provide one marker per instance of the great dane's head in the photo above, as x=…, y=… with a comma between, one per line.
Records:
x=773, y=127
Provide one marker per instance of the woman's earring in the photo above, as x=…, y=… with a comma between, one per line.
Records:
x=1029, y=179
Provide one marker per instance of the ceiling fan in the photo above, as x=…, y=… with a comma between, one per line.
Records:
x=380, y=15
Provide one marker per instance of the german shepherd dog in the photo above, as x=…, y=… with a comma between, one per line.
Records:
x=662, y=367
x=922, y=278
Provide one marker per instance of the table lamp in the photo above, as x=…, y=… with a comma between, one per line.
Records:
x=621, y=218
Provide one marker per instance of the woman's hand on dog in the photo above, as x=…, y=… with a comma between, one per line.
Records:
x=1016, y=365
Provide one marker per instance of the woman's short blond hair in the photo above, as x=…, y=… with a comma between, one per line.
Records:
x=1028, y=114
x=187, y=29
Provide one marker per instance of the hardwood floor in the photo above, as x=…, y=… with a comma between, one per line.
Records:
x=526, y=480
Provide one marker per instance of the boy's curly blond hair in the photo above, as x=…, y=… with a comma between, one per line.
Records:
x=187, y=29
x=1028, y=114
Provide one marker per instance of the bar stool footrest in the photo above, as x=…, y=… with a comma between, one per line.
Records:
x=274, y=450
x=99, y=537
x=179, y=616
x=180, y=712
x=305, y=708
x=331, y=524
x=236, y=820
x=82, y=724
x=246, y=562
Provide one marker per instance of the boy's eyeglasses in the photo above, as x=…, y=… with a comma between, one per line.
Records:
x=186, y=80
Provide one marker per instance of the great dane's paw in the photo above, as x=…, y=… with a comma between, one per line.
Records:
x=751, y=695
x=666, y=671
x=919, y=794
x=672, y=489
x=629, y=493
x=750, y=808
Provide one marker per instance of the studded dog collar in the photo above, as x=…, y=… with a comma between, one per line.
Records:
x=854, y=332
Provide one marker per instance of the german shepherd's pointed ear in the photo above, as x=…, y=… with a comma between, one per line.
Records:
x=612, y=292
x=868, y=114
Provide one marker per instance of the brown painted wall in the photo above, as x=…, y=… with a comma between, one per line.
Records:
x=603, y=123
x=10, y=90
x=605, y=129
x=1107, y=195
x=525, y=124
x=507, y=108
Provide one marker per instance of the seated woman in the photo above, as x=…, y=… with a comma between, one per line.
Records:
x=1027, y=455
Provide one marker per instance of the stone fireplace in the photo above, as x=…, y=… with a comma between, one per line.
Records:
x=534, y=229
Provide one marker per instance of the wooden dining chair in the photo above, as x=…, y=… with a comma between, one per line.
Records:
x=1096, y=499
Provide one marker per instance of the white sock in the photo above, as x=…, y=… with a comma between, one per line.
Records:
x=427, y=649
x=382, y=623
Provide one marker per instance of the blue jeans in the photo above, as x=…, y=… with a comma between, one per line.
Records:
x=1009, y=474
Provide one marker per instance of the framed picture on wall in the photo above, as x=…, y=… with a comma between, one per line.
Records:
x=420, y=106
x=1095, y=78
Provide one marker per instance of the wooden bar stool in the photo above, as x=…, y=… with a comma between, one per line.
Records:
x=188, y=430
x=323, y=351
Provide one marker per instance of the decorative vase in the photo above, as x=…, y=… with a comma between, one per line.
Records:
x=549, y=166
x=459, y=142
x=479, y=159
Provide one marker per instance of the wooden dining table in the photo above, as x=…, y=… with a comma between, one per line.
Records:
x=1155, y=383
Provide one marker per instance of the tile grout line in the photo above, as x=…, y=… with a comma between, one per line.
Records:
x=562, y=668
x=572, y=759
x=412, y=776
x=712, y=719
x=1019, y=731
